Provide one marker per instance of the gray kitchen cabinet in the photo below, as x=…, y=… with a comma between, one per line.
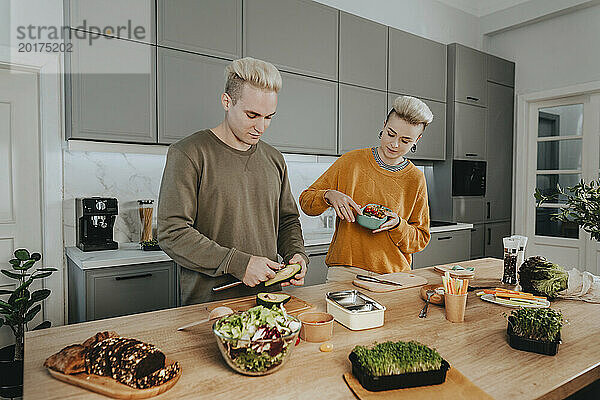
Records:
x=477, y=241
x=500, y=71
x=444, y=248
x=468, y=126
x=363, y=52
x=468, y=209
x=113, y=291
x=298, y=36
x=209, y=27
x=467, y=75
x=499, y=143
x=361, y=117
x=417, y=66
x=494, y=233
x=306, y=119
x=317, y=269
x=110, y=91
x=189, y=93
x=432, y=145
x=132, y=19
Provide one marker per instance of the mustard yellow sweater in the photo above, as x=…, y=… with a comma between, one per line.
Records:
x=358, y=175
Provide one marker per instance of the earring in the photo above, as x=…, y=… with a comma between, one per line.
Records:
x=380, y=134
x=413, y=148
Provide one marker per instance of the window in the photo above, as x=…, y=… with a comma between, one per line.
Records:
x=559, y=162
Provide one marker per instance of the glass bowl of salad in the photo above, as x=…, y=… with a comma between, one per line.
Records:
x=258, y=341
x=373, y=216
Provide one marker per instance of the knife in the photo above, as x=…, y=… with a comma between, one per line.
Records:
x=377, y=280
x=226, y=286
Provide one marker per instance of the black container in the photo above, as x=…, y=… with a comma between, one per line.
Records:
x=401, y=381
x=534, y=346
x=11, y=373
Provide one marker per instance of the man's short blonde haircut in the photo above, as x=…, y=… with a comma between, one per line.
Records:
x=411, y=110
x=258, y=73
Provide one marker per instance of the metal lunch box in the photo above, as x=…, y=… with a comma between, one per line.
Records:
x=354, y=310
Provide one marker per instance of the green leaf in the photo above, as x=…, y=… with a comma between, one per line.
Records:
x=17, y=295
x=1, y=322
x=2, y=291
x=7, y=306
x=43, y=325
x=40, y=295
x=42, y=275
x=32, y=313
x=50, y=269
x=15, y=262
x=11, y=274
x=22, y=254
x=19, y=301
x=36, y=256
x=26, y=265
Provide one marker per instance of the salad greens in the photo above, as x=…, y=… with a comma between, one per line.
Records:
x=542, y=277
x=256, y=339
x=394, y=358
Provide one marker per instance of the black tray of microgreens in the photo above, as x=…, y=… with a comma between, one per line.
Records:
x=536, y=330
x=397, y=365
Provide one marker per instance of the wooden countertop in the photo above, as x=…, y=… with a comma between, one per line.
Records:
x=478, y=348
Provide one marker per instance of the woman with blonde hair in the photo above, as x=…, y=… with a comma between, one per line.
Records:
x=379, y=175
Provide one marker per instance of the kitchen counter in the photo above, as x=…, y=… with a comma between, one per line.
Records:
x=126, y=254
x=449, y=228
x=478, y=348
x=130, y=253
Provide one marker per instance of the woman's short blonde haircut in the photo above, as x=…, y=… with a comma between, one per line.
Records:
x=258, y=73
x=411, y=110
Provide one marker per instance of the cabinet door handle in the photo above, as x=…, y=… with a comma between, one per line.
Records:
x=488, y=210
x=445, y=238
x=471, y=155
x=473, y=230
x=316, y=254
x=489, y=236
x=125, y=278
x=472, y=98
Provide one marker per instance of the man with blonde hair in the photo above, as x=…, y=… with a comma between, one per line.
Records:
x=226, y=209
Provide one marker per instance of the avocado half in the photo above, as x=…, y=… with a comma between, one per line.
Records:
x=284, y=274
x=272, y=299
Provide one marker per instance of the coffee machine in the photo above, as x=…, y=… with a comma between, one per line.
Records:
x=95, y=218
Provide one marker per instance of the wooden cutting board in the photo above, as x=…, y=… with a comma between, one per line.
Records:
x=407, y=280
x=294, y=306
x=111, y=388
x=457, y=386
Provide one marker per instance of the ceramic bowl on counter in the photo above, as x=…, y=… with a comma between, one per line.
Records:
x=372, y=216
x=316, y=326
x=355, y=310
x=257, y=357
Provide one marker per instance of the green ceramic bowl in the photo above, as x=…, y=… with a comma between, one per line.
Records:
x=371, y=222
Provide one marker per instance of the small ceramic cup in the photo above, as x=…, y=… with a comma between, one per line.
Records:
x=455, y=307
x=316, y=326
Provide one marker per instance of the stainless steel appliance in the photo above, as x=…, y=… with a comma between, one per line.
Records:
x=468, y=178
x=95, y=219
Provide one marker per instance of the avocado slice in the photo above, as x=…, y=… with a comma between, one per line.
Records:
x=272, y=299
x=284, y=274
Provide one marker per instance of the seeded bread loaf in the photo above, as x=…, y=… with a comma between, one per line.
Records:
x=129, y=361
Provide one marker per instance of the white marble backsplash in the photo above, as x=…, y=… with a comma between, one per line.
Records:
x=131, y=177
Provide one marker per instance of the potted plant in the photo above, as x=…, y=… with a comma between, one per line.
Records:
x=20, y=308
x=582, y=205
x=535, y=329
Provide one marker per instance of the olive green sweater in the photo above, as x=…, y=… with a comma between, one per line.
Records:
x=218, y=206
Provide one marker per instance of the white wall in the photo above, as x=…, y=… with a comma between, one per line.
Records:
x=427, y=18
x=556, y=53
